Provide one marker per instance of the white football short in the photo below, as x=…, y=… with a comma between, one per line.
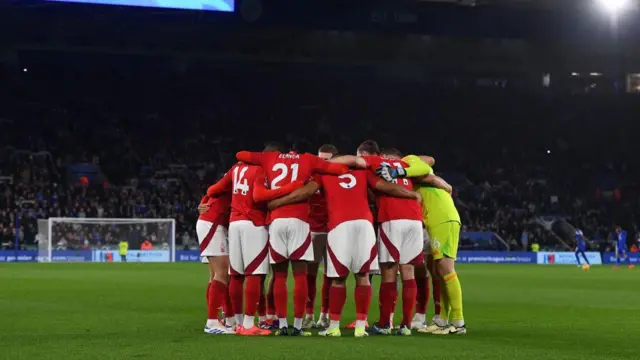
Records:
x=212, y=238
x=319, y=242
x=289, y=239
x=248, y=248
x=401, y=242
x=351, y=247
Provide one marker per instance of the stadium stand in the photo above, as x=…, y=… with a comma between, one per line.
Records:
x=517, y=156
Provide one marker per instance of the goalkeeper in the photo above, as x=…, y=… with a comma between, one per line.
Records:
x=443, y=226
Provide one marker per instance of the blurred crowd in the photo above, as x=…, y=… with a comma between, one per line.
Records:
x=140, y=139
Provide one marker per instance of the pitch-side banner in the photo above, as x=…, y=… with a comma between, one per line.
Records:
x=567, y=258
x=132, y=256
x=610, y=258
x=188, y=255
x=496, y=257
x=56, y=256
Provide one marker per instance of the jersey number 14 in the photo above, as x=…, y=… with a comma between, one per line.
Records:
x=240, y=183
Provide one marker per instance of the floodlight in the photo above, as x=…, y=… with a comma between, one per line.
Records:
x=614, y=6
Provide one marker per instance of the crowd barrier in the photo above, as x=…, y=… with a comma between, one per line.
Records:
x=487, y=257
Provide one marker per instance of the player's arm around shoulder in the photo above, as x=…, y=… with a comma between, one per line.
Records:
x=221, y=187
x=299, y=195
x=261, y=193
x=437, y=182
x=254, y=158
x=352, y=161
x=391, y=189
x=327, y=167
x=417, y=166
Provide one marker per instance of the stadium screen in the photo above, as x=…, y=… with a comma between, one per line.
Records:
x=204, y=5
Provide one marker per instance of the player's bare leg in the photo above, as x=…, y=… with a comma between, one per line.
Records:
x=337, y=298
x=388, y=292
x=453, y=293
x=299, y=269
x=218, y=294
x=409, y=293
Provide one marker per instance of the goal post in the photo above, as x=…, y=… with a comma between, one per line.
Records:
x=102, y=240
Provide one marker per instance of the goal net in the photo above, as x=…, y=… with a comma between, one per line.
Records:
x=106, y=240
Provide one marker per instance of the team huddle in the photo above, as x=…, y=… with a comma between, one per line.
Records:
x=275, y=210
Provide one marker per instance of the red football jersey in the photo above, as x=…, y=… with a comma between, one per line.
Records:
x=241, y=181
x=281, y=169
x=389, y=207
x=346, y=196
x=218, y=213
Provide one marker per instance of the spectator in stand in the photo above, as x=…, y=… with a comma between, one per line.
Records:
x=146, y=245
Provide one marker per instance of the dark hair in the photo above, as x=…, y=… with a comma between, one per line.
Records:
x=392, y=152
x=328, y=148
x=273, y=146
x=370, y=147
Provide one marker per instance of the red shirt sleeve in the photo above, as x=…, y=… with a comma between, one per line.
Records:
x=224, y=185
x=326, y=167
x=254, y=158
x=373, y=162
x=204, y=200
x=262, y=193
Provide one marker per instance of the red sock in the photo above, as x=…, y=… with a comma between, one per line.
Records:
x=299, y=294
x=409, y=291
x=262, y=301
x=363, y=301
x=227, y=307
x=388, y=292
x=326, y=285
x=271, y=303
x=236, y=285
x=217, y=296
x=280, y=294
x=252, y=294
x=208, y=290
x=311, y=291
x=422, y=299
x=395, y=299
x=337, y=298
x=436, y=295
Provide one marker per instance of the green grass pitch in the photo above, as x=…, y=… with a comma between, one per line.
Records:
x=157, y=311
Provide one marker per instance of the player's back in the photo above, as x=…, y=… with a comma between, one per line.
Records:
x=347, y=197
x=390, y=207
x=218, y=212
x=438, y=206
x=318, y=214
x=243, y=207
x=284, y=168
